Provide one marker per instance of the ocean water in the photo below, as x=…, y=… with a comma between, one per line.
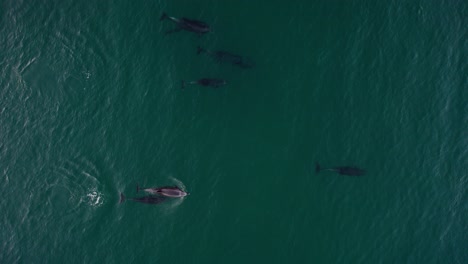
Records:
x=91, y=105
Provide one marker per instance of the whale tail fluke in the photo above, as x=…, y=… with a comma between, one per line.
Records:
x=163, y=16
x=122, y=198
x=317, y=167
x=200, y=50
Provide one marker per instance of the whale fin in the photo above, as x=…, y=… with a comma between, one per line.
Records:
x=317, y=167
x=122, y=198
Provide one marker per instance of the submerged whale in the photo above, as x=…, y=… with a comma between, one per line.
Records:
x=227, y=57
x=150, y=199
x=215, y=83
x=343, y=170
x=168, y=191
x=191, y=25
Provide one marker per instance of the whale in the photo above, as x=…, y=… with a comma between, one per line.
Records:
x=187, y=24
x=150, y=199
x=168, y=191
x=222, y=56
x=343, y=170
x=209, y=82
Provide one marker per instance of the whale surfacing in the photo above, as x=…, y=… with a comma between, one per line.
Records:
x=227, y=57
x=208, y=82
x=150, y=199
x=167, y=191
x=187, y=24
x=343, y=170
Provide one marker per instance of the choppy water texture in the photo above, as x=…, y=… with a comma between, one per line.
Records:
x=91, y=105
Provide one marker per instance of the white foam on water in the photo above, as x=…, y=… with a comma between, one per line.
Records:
x=80, y=178
x=94, y=198
x=87, y=74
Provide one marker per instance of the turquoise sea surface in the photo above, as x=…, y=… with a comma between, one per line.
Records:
x=91, y=105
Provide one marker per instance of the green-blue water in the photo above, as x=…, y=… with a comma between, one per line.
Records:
x=91, y=105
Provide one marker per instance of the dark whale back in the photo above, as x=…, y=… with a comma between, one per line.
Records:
x=234, y=59
x=228, y=57
x=194, y=22
x=211, y=82
x=194, y=25
x=187, y=24
x=149, y=199
x=351, y=171
x=343, y=170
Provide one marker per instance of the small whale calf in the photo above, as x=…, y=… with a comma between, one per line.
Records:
x=227, y=57
x=168, y=191
x=186, y=24
x=150, y=199
x=343, y=170
x=215, y=83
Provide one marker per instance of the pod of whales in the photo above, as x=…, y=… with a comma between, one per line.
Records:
x=160, y=194
x=220, y=56
x=343, y=170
